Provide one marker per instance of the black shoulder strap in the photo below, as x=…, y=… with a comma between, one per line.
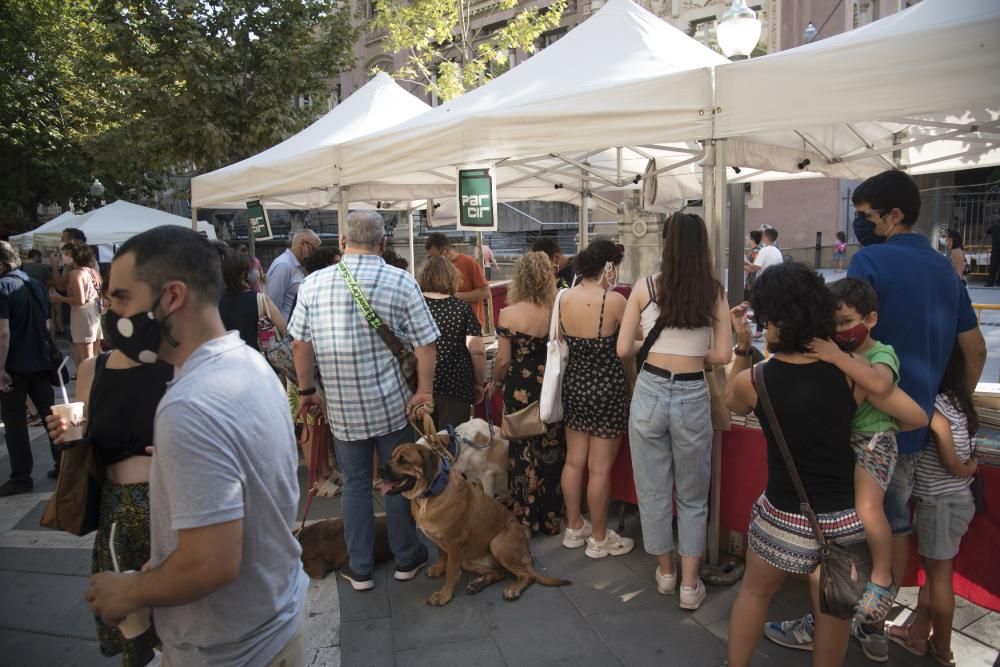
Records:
x=38, y=303
x=779, y=436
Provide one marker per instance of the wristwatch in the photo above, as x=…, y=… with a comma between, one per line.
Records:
x=742, y=353
x=307, y=392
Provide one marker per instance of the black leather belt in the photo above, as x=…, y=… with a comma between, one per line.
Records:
x=677, y=377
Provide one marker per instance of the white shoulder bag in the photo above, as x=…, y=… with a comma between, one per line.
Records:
x=550, y=406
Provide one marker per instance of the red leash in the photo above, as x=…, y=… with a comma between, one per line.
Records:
x=320, y=447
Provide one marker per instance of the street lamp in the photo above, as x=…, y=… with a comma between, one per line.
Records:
x=738, y=31
x=96, y=189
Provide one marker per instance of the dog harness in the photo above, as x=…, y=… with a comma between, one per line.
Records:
x=437, y=487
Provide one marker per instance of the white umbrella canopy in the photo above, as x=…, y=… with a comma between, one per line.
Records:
x=56, y=224
x=299, y=172
x=116, y=223
x=555, y=103
x=922, y=83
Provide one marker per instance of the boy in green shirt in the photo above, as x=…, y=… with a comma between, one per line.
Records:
x=874, y=366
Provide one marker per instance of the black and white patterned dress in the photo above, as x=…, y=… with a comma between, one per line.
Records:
x=453, y=376
x=594, y=392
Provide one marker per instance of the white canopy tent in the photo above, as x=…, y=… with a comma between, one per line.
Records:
x=66, y=219
x=116, y=223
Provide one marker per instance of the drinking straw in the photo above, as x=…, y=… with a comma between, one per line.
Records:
x=61, y=384
x=111, y=539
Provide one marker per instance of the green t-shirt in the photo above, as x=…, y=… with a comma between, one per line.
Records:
x=868, y=418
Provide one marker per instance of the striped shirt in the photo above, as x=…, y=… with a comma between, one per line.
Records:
x=366, y=394
x=932, y=479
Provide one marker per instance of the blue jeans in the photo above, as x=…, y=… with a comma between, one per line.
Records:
x=355, y=460
x=670, y=436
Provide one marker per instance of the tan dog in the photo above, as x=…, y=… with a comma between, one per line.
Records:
x=480, y=457
x=472, y=531
x=324, y=548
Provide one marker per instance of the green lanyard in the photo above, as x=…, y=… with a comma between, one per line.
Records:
x=359, y=296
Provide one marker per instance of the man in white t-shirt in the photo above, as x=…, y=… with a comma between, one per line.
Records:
x=769, y=254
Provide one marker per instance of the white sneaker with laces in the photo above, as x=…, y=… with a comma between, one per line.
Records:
x=692, y=598
x=666, y=584
x=574, y=538
x=613, y=544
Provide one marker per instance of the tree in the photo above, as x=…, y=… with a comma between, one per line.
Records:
x=448, y=50
x=223, y=80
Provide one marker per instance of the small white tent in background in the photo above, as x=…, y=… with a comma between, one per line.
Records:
x=116, y=223
x=25, y=241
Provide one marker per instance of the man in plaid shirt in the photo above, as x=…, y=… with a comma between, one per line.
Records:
x=367, y=399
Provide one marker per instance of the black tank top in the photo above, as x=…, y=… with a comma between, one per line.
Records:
x=123, y=407
x=239, y=311
x=815, y=406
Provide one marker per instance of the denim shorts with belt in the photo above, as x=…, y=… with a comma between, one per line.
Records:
x=670, y=436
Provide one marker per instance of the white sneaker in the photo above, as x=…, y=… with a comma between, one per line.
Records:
x=692, y=599
x=613, y=544
x=666, y=584
x=574, y=538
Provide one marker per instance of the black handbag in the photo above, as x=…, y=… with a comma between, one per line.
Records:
x=55, y=356
x=844, y=569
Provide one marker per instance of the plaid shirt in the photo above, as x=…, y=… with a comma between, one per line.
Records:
x=366, y=394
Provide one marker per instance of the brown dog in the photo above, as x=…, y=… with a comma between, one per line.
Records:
x=324, y=548
x=472, y=531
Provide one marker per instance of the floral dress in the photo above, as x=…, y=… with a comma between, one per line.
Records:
x=534, y=464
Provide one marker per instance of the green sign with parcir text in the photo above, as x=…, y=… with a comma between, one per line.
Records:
x=257, y=221
x=477, y=200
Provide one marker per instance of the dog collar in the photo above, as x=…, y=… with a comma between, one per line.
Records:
x=441, y=481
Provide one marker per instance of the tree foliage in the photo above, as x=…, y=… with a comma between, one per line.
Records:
x=135, y=91
x=449, y=48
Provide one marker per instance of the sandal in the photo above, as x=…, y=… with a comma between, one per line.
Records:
x=875, y=604
x=940, y=657
x=900, y=634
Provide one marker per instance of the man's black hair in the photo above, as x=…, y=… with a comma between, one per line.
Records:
x=35, y=253
x=756, y=235
x=75, y=234
x=771, y=234
x=795, y=298
x=546, y=244
x=888, y=190
x=173, y=252
x=436, y=240
x=857, y=294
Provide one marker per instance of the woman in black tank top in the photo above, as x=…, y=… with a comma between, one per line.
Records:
x=814, y=404
x=121, y=397
x=239, y=304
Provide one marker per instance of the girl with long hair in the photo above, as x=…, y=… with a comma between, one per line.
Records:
x=955, y=249
x=83, y=294
x=534, y=464
x=683, y=313
x=944, y=509
x=594, y=398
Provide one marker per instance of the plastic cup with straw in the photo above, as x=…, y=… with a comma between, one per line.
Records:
x=138, y=621
x=71, y=412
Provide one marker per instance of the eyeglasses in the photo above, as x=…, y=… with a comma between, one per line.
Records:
x=880, y=213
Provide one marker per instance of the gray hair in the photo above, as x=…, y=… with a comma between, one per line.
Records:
x=302, y=233
x=365, y=229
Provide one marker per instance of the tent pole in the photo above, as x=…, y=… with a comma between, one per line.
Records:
x=413, y=260
x=584, y=215
x=194, y=218
x=713, y=199
x=341, y=212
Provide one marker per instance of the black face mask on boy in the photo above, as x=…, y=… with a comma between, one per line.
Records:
x=864, y=230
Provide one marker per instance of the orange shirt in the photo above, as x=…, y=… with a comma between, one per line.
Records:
x=471, y=277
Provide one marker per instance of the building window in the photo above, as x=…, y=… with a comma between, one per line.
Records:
x=551, y=37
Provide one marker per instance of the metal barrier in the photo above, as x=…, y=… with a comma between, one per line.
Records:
x=970, y=210
x=980, y=307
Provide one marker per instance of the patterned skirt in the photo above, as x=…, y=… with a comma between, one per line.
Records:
x=128, y=506
x=786, y=541
x=534, y=473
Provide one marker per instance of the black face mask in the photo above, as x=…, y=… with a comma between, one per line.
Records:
x=864, y=230
x=138, y=337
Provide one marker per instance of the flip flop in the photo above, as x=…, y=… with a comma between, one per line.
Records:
x=941, y=658
x=900, y=634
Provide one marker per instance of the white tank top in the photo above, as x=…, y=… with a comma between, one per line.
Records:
x=682, y=342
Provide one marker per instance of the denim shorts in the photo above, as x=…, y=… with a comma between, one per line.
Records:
x=941, y=523
x=897, y=496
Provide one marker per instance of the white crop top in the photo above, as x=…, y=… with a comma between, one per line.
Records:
x=682, y=342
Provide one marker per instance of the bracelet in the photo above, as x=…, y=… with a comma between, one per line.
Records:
x=743, y=353
x=307, y=392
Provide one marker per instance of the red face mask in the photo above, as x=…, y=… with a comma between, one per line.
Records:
x=850, y=339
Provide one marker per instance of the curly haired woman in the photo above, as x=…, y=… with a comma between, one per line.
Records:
x=535, y=464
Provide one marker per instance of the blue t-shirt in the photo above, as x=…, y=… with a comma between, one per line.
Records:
x=922, y=307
